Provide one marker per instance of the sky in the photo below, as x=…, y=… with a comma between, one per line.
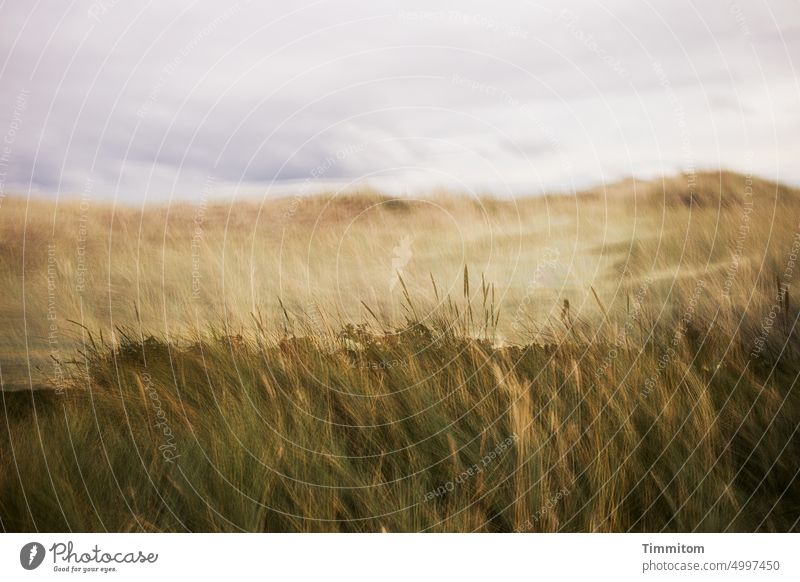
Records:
x=134, y=101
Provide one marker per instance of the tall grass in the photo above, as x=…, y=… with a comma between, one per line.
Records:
x=659, y=395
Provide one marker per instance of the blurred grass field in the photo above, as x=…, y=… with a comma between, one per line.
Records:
x=621, y=360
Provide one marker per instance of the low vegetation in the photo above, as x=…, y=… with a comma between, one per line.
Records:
x=557, y=371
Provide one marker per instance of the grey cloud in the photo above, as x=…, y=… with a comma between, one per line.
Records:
x=149, y=97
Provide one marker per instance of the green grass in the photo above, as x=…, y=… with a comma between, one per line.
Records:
x=423, y=427
x=633, y=367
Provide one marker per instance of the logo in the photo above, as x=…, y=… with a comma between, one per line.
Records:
x=31, y=555
x=401, y=256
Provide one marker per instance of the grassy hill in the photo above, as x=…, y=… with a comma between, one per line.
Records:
x=620, y=360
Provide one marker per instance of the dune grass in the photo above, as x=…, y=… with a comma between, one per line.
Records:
x=632, y=373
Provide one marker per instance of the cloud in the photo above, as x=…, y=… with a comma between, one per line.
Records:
x=151, y=99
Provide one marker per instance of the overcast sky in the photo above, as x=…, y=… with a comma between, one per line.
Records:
x=130, y=100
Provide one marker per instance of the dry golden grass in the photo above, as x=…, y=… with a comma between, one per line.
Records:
x=180, y=267
x=626, y=359
x=177, y=268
